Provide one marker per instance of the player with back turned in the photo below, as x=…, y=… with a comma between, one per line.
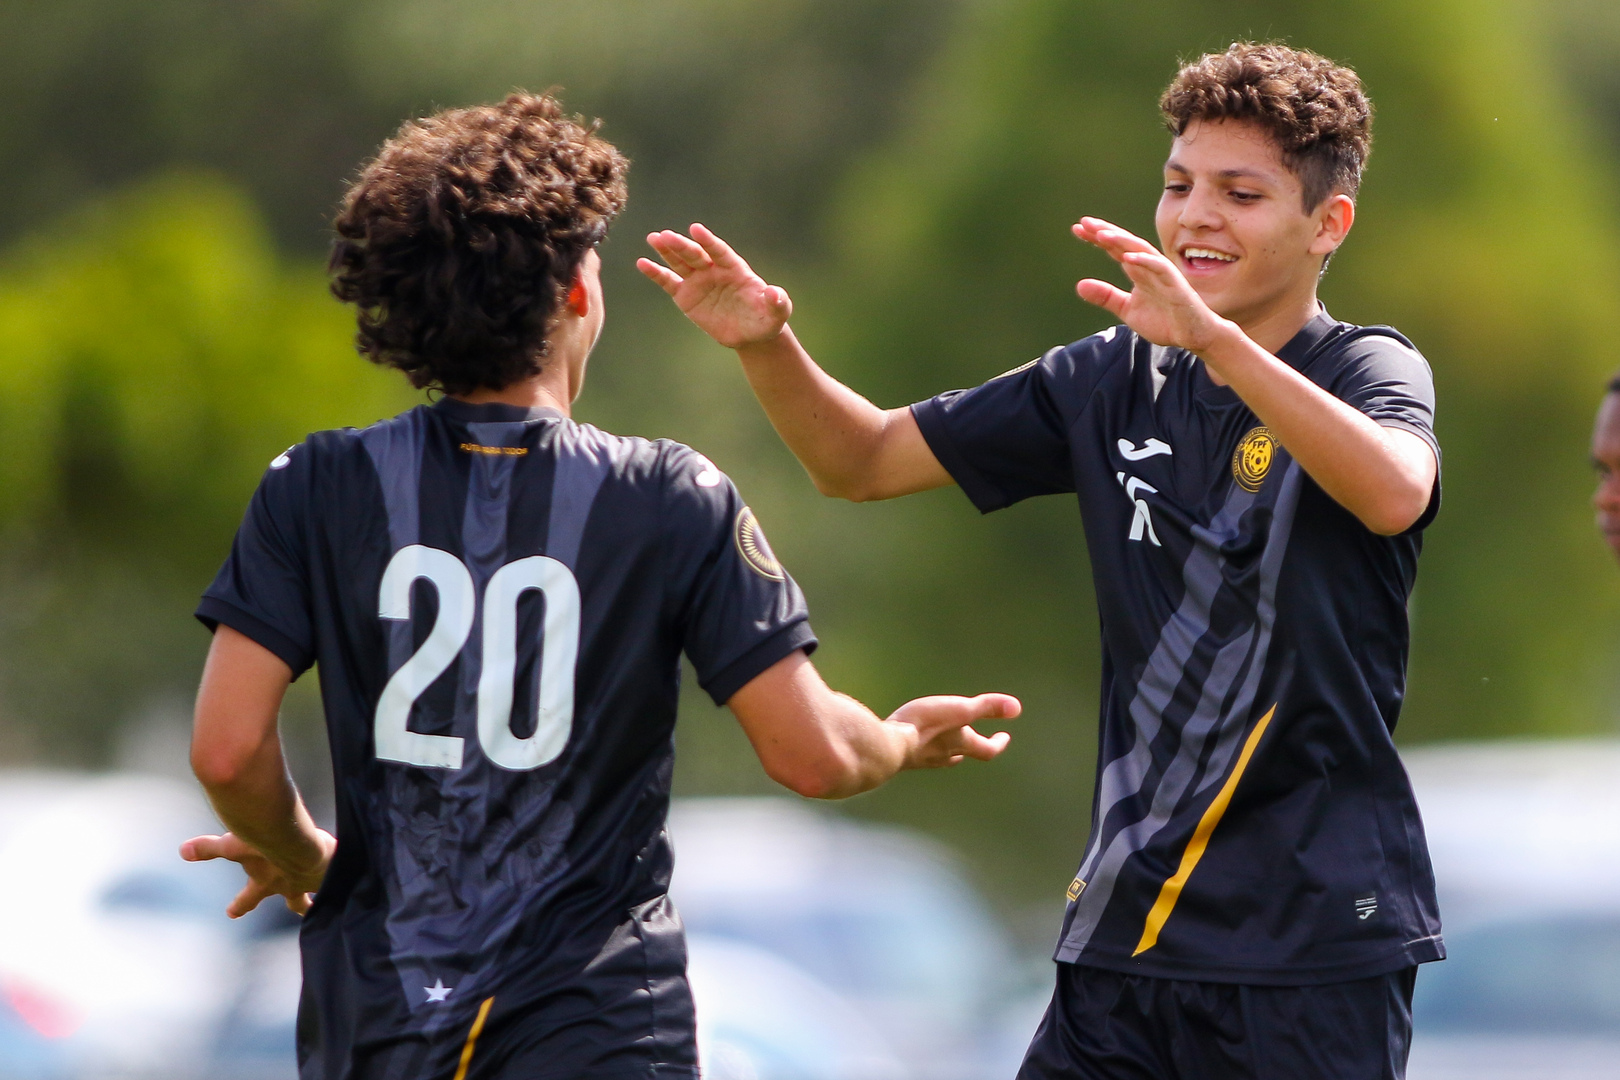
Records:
x=1254, y=477
x=497, y=598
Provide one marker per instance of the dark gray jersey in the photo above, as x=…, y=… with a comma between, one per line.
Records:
x=1252, y=820
x=497, y=600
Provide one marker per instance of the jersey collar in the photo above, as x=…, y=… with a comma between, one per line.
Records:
x=1302, y=344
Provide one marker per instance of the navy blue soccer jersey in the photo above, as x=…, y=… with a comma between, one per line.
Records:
x=1252, y=821
x=497, y=600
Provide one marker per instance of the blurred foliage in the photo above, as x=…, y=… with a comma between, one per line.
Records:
x=907, y=169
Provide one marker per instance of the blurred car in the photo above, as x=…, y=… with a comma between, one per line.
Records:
x=1525, y=838
x=878, y=917
x=116, y=959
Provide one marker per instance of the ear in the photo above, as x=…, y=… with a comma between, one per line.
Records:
x=579, y=301
x=1333, y=221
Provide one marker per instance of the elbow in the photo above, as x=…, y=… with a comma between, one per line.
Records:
x=218, y=767
x=846, y=488
x=1397, y=513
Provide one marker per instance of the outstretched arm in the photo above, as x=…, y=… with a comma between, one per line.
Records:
x=236, y=754
x=1384, y=476
x=826, y=745
x=851, y=448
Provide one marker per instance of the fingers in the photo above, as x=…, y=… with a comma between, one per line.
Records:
x=1104, y=295
x=980, y=747
x=683, y=255
x=716, y=248
x=780, y=302
x=203, y=848
x=249, y=898
x=1110, y=237
x=995, y=707
x=662, y=276
x=300, y=903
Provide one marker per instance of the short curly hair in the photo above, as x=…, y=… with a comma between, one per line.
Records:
x=1315, y=109
x=458, y=241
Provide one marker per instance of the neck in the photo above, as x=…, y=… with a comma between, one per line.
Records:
x=1276, y=326
x=555, y=387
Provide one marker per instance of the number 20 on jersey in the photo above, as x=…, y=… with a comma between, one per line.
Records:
x=554, y=701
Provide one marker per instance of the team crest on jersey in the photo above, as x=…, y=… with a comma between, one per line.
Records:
x=1252, y=458
x=754, y=548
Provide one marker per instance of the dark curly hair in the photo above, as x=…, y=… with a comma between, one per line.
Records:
x=1314, y=109
x=458, y=241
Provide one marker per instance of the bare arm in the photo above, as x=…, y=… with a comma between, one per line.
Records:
x=1384, y=476
x=236, y=755
x=851, y=448
x=826, y=745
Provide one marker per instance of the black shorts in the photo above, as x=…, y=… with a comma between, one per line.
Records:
x=1104, y=1025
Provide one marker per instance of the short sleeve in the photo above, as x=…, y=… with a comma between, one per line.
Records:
x=1385, y=378
x=737, y=610
x=263, y=588
x=1008, y=440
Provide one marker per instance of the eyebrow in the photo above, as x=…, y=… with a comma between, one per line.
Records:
x=1224, y=174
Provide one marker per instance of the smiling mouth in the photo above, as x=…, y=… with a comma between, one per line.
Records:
x=1200, y=258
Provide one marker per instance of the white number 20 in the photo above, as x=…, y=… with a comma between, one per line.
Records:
x=457, y=603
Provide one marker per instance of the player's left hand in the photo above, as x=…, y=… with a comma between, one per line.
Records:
x=265, y=879
x=1163, y=306
x=945, y=735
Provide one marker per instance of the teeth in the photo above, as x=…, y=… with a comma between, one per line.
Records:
x=1206, y=253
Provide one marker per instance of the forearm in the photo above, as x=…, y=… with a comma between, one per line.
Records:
x=864, y=751
x=835, y=433
x=1352, y=458
x=259, y=803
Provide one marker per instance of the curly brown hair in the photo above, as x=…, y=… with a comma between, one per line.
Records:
x=1315, y=109
x=460, y=238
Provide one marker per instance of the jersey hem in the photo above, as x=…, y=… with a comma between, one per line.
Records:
x=742, y=671
x=1408, y=954
x=980, y=492
x=212, y=612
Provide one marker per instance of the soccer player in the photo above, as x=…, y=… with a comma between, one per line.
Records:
x=1606, y=460
x=1254, y=477
x=497, y=598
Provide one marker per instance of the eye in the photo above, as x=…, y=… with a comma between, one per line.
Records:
x=1247, y=196
x=1179, y=187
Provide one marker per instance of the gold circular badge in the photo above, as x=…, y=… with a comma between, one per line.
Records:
x=754, y=548
x=1252, y=458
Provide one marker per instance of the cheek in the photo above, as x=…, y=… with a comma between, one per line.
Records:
x=1164, y=221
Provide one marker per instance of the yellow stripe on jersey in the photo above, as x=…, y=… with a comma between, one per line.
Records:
x=472, y=1037
x=1171, y=891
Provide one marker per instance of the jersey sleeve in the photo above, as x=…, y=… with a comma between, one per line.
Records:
x=1387, y=379
x=737, y=610
x=263, y=588
x=1008, y=440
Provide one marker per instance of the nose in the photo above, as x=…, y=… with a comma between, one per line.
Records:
x=1607, y=496
x=1199, y=211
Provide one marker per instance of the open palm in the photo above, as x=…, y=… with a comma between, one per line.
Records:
x=1162, y=306
x=716, y=289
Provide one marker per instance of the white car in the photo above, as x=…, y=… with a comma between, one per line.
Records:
x=1525, y=838
x=116, y=959
x=878, y=917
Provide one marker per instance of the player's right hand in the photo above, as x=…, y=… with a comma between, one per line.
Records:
x=945, y=735
x=265, y=879
x=716, y=289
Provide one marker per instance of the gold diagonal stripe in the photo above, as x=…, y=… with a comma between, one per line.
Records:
x=1171, y=891
x=472, y=1037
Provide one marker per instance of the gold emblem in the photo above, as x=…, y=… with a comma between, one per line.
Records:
x=754, y=548
x=1076, y=887
x=1252, y=458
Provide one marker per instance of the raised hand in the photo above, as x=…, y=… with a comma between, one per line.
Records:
x=944, y=732
x=716, y=289
x=1162, y=307
x=265, y=879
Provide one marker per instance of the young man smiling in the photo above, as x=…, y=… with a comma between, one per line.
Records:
x=1253, y=478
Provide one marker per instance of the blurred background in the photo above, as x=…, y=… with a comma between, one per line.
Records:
x=907, y=169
